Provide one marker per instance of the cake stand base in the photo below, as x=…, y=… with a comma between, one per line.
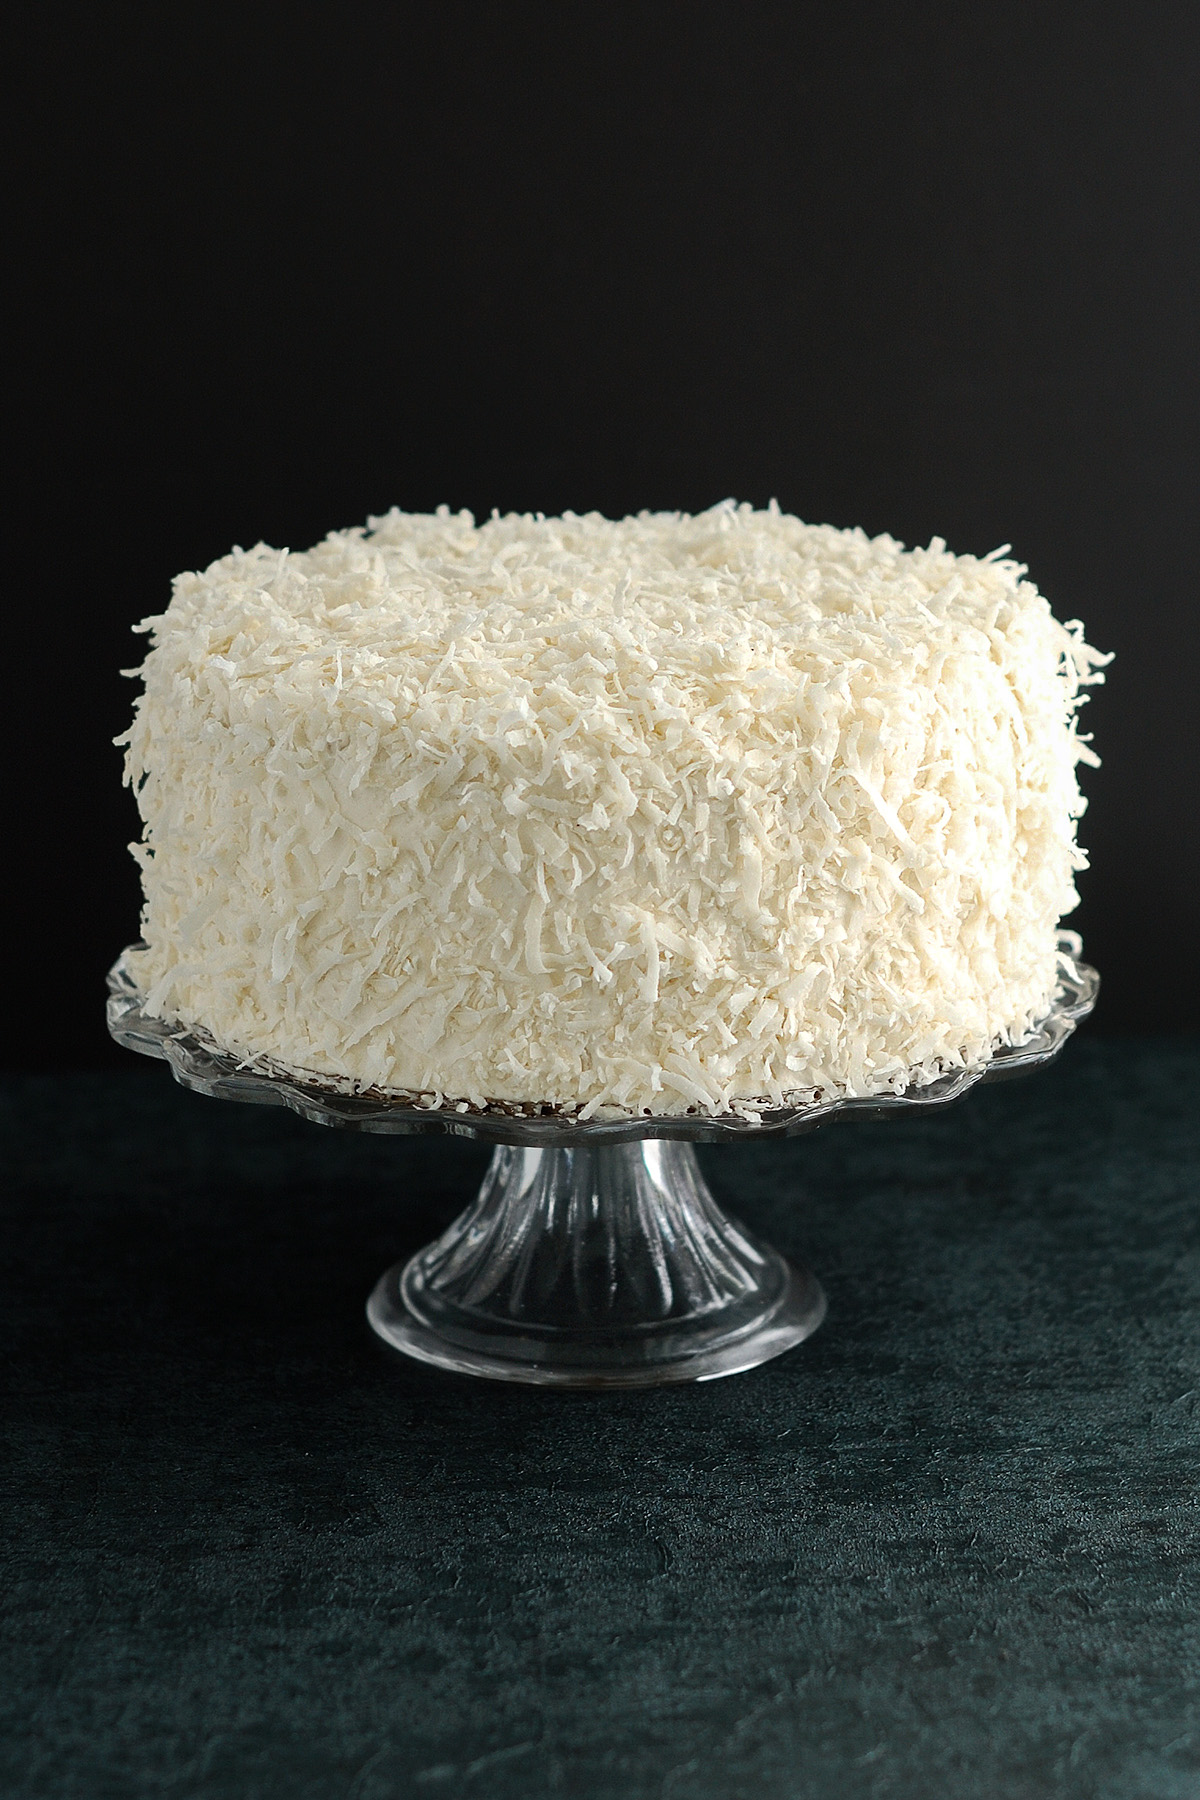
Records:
x=600, y=1267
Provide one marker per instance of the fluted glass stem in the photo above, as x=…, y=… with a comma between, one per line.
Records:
x=598, y=1266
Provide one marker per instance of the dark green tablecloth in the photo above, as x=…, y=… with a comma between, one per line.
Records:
x=948, y=1548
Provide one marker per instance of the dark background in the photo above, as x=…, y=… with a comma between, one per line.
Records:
x=926, y=268
x=913, y=267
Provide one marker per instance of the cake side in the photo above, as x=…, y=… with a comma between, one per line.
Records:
x=633, y=815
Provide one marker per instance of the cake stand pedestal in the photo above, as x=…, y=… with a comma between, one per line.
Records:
x=594, y=1254
x=596, y=1266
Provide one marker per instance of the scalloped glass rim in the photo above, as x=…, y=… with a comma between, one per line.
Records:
x=206, y=1069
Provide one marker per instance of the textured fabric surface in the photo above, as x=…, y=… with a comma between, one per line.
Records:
x=947, y=1548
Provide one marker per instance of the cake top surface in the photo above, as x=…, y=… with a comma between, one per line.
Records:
x=728, y=588
x=648, y=614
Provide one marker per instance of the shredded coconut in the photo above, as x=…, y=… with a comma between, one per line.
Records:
x=647, y=815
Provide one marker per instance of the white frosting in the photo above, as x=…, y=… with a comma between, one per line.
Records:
x=651, y=815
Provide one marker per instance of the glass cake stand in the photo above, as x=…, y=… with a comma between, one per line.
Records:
x=594, y=1254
